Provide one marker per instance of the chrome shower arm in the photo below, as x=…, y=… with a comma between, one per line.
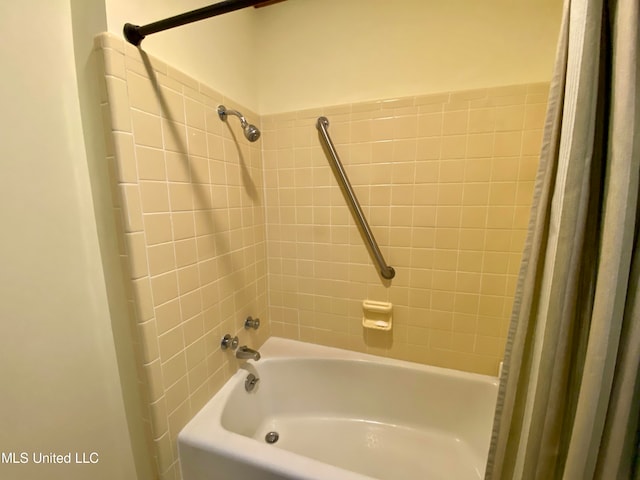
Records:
x=223, y=112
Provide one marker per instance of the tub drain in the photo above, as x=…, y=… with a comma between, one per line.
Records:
x=271, y=437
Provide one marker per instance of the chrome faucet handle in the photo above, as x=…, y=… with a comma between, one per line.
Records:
x=250, y=382
x=251, y=323
x=227, y=342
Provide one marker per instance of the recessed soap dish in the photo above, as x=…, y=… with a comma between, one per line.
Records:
x=377, y=315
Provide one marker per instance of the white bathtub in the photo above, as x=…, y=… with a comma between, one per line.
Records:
x=341, y=415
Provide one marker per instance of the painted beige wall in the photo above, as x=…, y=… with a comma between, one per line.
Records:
x=61, y=389
x=307, y=53
x=317, y=53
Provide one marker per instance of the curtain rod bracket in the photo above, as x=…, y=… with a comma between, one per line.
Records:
x=132, y=34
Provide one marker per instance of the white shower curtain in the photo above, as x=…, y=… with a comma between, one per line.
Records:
x=569, y=400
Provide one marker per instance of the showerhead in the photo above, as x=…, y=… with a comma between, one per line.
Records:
x=251, y=132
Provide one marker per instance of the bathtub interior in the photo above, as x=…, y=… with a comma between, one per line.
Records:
x=385, y=420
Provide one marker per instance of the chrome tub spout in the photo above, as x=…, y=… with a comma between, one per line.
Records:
x=245, y=352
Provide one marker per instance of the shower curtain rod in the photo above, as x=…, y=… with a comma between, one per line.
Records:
x=136, y=33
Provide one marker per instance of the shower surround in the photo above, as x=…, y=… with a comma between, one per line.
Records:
x=214, y=228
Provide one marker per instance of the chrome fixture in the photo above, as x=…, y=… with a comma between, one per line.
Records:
x=251, y=323
x=245, y=353
x=250, y=382
x=229, y=342
x=251, y=132
x=386, y=270
x=271, y=437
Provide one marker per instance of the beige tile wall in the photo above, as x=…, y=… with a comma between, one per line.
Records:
x=446, y=182
x=189, y=203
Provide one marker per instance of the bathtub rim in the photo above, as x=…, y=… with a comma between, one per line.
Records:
x=285, y=348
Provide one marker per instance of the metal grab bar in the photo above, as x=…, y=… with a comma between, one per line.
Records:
x=385, y=270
